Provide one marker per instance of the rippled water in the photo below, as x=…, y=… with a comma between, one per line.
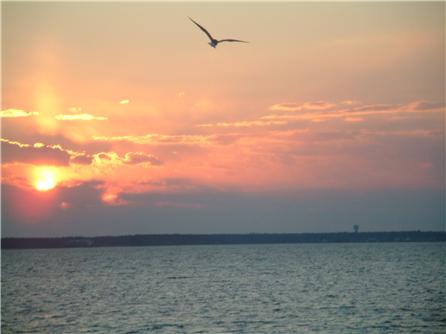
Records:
x=334, y=288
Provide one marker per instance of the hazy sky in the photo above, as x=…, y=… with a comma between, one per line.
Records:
x=118, y=118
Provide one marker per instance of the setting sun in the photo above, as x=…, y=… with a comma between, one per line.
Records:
x=45, y=179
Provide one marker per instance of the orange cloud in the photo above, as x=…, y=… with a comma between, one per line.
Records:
x=109, y=197
x=14, y=113
x=354, y=119
x=353, y=113
x=130, y=158
x=80, y=117
x=291, y=147
x=318, y=105
x=243, y=124
x=157, y=139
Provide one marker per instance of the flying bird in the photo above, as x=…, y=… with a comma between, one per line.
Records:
x=214, y=42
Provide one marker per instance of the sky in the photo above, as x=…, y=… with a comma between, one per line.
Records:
x=119, y=118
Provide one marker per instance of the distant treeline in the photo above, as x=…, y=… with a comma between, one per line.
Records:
x=215, y=239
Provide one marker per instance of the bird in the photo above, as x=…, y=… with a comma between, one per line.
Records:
x=214, y=42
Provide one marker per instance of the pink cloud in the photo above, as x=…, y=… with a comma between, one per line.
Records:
x=134, y=158
x=316, y=105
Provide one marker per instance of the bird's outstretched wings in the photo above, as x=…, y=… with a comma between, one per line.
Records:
x=231, y=40
x=204, y=30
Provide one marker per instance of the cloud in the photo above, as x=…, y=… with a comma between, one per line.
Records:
x=75, y=109
x=157, y=139
x=176, y=184
x=82, y=160
x=13, y=151
x=243, y=124
x=14, y=113
x=285, y=107
x=106, y=158
x=417, y=133
x=80, y=117
x=179, y=199
x=64, y=205
x=376, y=108
x=130, y=158
x=426, y=105
x=326, y=135
x=354, y=119
x=134, y=158
x=40, y=153
x=358, y=137
x=349, y=102
x=222, y=212
x=228, y=138
x=354, y=112
x=317, y=105
x=178, y=205
x=320, y=111
x=33, y=136
x=112, y=198
x=82, y=195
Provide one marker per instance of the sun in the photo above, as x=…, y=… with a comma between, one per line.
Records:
x=45, y=178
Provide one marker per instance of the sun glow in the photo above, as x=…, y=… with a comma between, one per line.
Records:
x=45, y=178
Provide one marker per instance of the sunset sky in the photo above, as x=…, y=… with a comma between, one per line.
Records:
x=120, y=118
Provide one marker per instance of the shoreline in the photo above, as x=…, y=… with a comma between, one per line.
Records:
x=220, y=239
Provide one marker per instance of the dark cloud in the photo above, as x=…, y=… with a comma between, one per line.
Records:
x=307, y=106
x=89, y=147
x=178, y=184
x=375, y=107
x=79, y=211
x=325, y=135
x=28, y=135
x=82, y=160
x=104, y=156
x=61, y=211
x=83, y=195
x=15, y=152
x=425, y=105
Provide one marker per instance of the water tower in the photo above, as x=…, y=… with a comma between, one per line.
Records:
x=356, y=228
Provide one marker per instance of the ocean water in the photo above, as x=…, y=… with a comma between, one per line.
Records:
x=299, y=288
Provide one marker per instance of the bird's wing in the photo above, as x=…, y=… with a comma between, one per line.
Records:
x=204, y=30
x=232, y=40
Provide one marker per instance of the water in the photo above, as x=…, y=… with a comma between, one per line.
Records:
x=329, y=288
